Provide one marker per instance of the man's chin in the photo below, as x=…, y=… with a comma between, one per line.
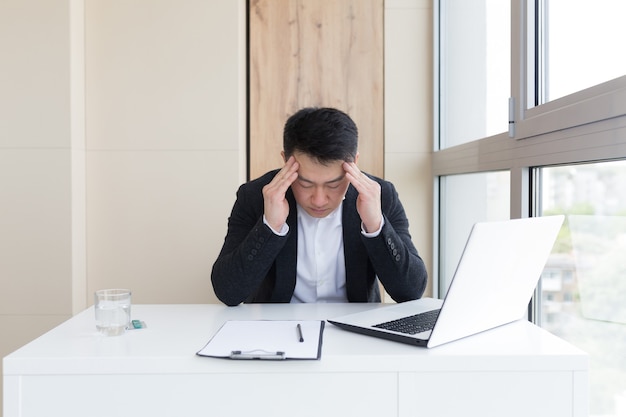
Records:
x=318, y=213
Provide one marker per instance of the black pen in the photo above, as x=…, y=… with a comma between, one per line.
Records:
x=300, y=333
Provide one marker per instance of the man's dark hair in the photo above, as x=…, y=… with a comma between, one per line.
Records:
x=325, y=134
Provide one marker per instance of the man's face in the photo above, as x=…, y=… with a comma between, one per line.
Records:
x=319, y=189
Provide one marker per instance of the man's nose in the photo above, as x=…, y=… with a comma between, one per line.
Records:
x=319, y=197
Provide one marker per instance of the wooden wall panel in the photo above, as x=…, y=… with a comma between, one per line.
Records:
x=315, y=53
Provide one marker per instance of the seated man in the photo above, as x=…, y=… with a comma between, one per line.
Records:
x=319, y=229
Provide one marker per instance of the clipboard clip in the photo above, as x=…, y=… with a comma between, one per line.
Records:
x=257, y=354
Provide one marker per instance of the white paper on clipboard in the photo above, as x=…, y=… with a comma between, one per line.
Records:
x=266, y=339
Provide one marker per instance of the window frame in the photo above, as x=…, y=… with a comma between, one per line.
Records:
x=597, y=103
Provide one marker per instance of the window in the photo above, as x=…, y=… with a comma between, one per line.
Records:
x=583, y=287
x=565, y=152
x=475, y=69
x=583, y=44
x=465, y=200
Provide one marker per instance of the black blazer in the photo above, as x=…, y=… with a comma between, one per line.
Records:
x=256, y=265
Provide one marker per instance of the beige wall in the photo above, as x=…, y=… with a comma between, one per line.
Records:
x=122, y=142
x=409, y=115
x=165, y=142
x=35, y=170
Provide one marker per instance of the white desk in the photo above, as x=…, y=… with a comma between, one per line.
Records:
x=515, y=370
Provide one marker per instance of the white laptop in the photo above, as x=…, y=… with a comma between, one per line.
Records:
x=493, y=284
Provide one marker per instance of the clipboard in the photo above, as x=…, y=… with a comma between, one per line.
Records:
x=266, y=340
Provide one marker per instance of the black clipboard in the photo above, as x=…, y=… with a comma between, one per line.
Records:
x=266, y=340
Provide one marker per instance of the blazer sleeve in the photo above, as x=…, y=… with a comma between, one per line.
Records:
x=250, y=248
x=392, y=253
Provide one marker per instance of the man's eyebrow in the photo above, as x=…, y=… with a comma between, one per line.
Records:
x=339, y=178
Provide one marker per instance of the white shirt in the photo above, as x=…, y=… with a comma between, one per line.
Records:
x=321, y=266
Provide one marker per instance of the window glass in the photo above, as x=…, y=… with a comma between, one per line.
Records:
x=465, y=200
x=583, y=285
x=585, y=43
x=474, y=69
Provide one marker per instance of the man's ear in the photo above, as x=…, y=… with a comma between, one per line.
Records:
x=282, y=154
x=356, y=157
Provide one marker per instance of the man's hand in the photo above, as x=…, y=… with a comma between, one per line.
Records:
x=276, y=206
x=368, y=202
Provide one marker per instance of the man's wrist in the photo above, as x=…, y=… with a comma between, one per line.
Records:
x=283, y=230
x=374, y=233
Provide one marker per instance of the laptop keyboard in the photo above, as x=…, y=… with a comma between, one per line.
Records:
x=412, y=324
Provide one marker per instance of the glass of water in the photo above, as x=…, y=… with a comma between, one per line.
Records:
x=112, y=307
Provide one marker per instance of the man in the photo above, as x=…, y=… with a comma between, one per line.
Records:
x=319, y=229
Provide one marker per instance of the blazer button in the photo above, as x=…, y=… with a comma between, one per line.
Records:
x=397, y=258
x=253, y=251
x=250, y=257
x=389, y=241
x=395, y=252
